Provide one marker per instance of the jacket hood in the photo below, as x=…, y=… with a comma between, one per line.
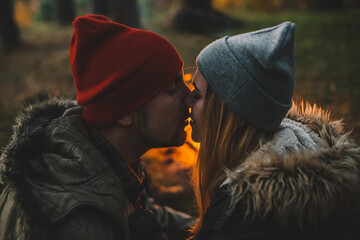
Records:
x=27, y=131
x=51, y=167
x=24, y=145
x=307, y=175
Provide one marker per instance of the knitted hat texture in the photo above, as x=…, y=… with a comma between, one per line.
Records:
x=253, y=73
x=117, y=69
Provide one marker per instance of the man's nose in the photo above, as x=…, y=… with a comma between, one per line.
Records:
x=188, y=100
x=186, y=90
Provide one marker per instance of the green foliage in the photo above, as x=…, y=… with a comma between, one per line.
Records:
x=83, y=7
x=281, y=5
x=46, y=11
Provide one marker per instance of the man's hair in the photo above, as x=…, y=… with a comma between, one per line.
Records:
x=225, y=140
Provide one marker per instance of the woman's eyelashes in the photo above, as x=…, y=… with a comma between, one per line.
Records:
x=195, y=95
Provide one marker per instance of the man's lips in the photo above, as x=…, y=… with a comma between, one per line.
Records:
x=192, y=122
x=186, y=120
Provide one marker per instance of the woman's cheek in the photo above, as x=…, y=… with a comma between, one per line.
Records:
x=197, y=109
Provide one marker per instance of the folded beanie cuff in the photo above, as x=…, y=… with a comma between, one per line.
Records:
x=247, y=108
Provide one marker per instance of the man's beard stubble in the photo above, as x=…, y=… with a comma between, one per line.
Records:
x=146, y=134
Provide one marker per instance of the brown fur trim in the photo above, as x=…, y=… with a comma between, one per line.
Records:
x=24, y=144
x=304, y=188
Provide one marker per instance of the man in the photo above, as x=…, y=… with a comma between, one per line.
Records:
x=66, y=172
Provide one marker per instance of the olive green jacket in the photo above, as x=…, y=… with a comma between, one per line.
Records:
x=56, y=184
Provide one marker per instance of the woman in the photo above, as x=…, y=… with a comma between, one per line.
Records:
x=265, y=172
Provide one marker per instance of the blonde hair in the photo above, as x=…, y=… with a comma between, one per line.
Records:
x=225, y=142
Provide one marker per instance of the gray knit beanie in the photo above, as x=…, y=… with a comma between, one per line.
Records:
x=253, y=73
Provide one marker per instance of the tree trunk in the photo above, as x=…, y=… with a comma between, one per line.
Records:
x=122, y=11
x=9, y=32
x=327, y=4
x=199, y=16
x=65, y=11
x=126, y=12
x=101, y=7
x=202, y=4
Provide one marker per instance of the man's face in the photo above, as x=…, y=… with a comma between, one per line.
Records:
x=161, y=121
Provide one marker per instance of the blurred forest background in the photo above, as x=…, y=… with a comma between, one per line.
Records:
x=34, y=57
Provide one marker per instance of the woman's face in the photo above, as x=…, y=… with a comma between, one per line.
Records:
x=195, y=101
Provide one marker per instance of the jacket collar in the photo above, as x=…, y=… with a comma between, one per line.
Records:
x=308, y=173
x=46, y=144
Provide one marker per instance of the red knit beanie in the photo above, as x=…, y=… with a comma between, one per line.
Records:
x=117, y=68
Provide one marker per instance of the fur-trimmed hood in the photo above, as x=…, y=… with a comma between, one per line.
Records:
x=308, y=174
x=51, y=167
x=24, y=145
x=27, y=131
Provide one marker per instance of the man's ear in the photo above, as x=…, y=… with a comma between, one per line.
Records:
x=125, y=121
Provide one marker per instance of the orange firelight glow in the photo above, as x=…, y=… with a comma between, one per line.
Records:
x=188, y=80
x=23, y=13
x=169, y=167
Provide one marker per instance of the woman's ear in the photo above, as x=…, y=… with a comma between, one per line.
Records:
x=125, y=121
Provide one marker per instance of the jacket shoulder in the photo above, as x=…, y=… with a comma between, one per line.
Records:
x=309, y=172
x=222, y=224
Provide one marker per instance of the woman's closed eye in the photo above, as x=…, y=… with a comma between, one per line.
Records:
x=194, y=96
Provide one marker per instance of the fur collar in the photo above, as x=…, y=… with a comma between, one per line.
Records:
x=27, y=130
x=24, y=144
x=304, y=187
x=47, y=132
